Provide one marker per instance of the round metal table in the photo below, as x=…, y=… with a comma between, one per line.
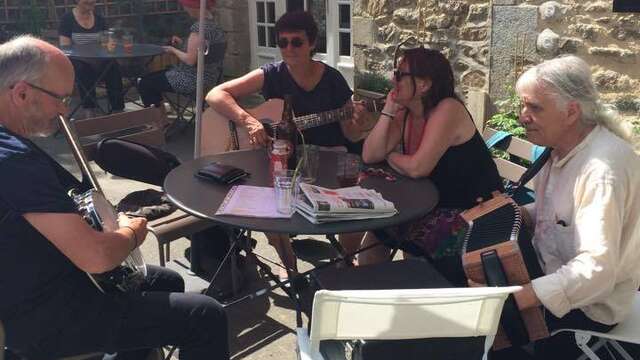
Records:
x=97, y=52
x=413, y=198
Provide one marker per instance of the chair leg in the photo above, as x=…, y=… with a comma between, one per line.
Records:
x=582, y=340
x=161, y=252
x=620, y=349
x=168, y=251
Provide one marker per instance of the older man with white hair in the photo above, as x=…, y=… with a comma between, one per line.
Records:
x=48, y=306
x=586, y=216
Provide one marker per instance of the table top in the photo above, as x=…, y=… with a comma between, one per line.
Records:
x=95, y=51
x=413, y=198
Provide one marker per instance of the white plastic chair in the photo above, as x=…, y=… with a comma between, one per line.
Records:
x=400, y=314
x=626, y=331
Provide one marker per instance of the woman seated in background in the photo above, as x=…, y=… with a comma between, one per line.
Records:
x=425, y=130
x=182, y=78
x=83, y=26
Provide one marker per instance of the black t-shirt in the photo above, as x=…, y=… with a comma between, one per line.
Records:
x=331, y=93
x=70, y=28
x=34, y=274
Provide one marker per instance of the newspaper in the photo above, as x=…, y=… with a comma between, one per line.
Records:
x=318, y=204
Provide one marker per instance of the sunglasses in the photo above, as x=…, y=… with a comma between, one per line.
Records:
x=296, y=42
x=398, y=75
x=65, y=100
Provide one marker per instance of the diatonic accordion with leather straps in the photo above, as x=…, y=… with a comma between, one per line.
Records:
x=493, y=256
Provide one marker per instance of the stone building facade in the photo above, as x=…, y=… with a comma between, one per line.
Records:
x=232, y=17
x=489, y=42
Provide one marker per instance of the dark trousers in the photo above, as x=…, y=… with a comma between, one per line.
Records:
x=86, y=75
x=131, y=324
x=560, y=346
x=151, y=87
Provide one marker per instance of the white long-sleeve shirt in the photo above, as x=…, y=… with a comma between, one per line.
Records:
x=587, y=229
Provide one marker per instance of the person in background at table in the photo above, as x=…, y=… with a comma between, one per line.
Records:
x=83, y=26
x=182, y=78
x=49, y=308
x=425, y=130
x=314, y=86
x=586, y=217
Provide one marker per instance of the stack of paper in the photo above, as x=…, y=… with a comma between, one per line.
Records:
x=320, y=205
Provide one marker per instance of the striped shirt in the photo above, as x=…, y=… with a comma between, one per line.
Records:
x=70, y=28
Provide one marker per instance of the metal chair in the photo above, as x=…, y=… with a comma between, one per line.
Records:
x=626, y=331
x=184, y=105
x=399, y=314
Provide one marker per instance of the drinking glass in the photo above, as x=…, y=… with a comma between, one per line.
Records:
x=310, y=156
x=127, y=42
x=348, y=169
x=286, y=191
x=104, y=39
x=112, y=42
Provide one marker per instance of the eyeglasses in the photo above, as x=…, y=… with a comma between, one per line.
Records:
x=398, y=75
x=296, y=42
x=65, y=100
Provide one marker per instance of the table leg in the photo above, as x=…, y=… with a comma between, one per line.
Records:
x=342, y=254
x=93, y=87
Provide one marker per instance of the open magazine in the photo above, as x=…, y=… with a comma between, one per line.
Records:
x=319, y=205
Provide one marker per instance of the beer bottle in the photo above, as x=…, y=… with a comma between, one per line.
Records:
x=289, y=131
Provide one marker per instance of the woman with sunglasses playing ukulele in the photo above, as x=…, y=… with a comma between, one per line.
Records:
x=314, y=86
x=425, y=130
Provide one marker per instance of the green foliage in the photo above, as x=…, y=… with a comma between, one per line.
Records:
x=506, y=119
x=33, y=18
x=627, y=104
x=373, y=82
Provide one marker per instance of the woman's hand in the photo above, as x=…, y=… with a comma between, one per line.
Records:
x=390, y=104
x=257, y=134
x=176, y=41
x=360, y=115
x=169, y=49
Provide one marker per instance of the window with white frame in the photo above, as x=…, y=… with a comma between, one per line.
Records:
x=265, y=23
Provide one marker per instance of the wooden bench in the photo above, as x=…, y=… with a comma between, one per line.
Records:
x=478, y=105
x=515, y=147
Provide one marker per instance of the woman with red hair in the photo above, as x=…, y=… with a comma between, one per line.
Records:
x=182, y=78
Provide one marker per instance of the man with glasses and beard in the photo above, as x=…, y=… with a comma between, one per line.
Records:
x=314, y=86
x=49, y=307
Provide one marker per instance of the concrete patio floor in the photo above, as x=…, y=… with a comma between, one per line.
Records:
x=262, y=328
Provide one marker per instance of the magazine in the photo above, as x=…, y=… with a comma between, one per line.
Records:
x=318, y=204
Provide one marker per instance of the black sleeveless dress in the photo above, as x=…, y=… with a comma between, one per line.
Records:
x=464, y=173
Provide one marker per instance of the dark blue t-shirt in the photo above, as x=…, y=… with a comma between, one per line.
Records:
x=331, y=93
x=34, y=274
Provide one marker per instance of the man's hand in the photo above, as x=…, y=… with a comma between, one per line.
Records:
x=257, y=134
x=137, y=224
x=169, y=49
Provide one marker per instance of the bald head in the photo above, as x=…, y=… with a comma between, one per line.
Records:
x=26, y=58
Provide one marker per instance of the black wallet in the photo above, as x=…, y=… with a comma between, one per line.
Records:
x=220, y=173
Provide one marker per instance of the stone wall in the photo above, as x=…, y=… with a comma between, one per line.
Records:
x=460, y=29
x=489, y=42
x=232, y=17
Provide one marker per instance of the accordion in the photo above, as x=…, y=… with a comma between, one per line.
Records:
x=493, y=256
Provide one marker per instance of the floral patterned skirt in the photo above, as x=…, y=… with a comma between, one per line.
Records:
x=439, y=234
